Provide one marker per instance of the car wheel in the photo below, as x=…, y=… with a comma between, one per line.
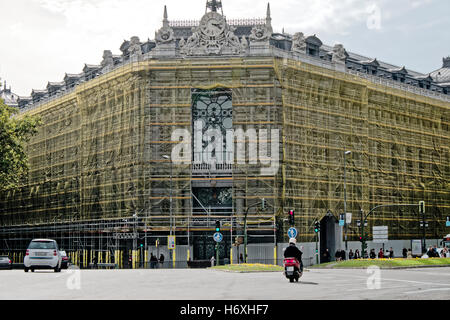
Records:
x=25, y=269
x=32, y=270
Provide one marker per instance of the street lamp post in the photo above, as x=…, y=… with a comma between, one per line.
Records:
x=171, y=251
x=168, y=158
x=345, y=199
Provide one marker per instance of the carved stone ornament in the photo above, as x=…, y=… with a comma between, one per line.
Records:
x=165, y=34
x=244, y=43
x=135, y=49
x=299, y=43
x=260, y=34
x=212, y=36
x=339, y=54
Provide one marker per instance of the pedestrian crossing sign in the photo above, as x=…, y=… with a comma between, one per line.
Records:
x=171, y=242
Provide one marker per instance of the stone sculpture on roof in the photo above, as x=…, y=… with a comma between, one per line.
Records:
x=108, y=60
x=212, y=36
x=262, y=33
x=339, y=54
x=135, y=49
x=299, y=43
x=165, y=34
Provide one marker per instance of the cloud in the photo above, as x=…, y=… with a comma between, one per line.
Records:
x=46, y=38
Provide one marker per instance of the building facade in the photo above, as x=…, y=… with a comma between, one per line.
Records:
x=225, y=120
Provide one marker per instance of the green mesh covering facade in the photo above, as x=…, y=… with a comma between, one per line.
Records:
x=99, y=152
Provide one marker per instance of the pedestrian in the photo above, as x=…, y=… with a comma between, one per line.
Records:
x=350, y=255
x=391, y=253
x=337, y=255
x=161, y=260
x=372, y=254
x=212, y=261
x=357, y=254
x=380, y=254
x=430, y=252
x=152, y=261
x=326, y=256
x=343, y=255
x=409, y=256
x=405, y=253
x=241, y=258
x=94, y=264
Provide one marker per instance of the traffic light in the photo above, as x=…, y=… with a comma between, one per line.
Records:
x=217, y=225
x=421, y=207
x=317, y=227
x=291, y=217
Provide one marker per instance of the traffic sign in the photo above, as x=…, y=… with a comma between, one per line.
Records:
x=292, y=232
x=218, y=237
x=348, y=217
x=341, y=219
x=171, y=242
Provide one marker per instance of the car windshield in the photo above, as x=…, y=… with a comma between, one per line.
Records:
x=42, y=245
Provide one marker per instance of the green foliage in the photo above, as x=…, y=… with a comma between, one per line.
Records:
x=14, y=133
x=249, y=267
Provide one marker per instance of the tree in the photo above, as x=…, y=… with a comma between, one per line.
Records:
x=14, y=133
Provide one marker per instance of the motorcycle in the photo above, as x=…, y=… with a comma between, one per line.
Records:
x=292, y=269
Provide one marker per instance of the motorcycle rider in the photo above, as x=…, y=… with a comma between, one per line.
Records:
x=293, y=252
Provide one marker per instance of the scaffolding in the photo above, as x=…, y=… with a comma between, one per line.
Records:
x=399, y=145
x=97, y=162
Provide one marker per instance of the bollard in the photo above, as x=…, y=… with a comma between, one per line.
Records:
x=275, y=255
x=231, y=255
x=145, y=258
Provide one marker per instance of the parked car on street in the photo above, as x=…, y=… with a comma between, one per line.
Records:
x=42, y=254
x=64, y=260
x=5, y=262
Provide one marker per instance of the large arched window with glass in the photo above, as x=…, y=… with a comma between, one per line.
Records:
x=213, y=109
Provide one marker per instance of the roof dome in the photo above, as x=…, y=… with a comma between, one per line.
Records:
x=442, y=75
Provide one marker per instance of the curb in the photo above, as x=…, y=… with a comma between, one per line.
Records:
x=398, y=268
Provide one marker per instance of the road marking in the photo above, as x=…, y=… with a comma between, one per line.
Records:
x=381, y=288
x=411, y=281
x=428, y=290
x=431, y=273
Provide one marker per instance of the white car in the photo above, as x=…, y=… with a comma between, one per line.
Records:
x=42, y=254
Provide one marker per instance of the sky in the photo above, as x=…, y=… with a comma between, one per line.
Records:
x=41, y=40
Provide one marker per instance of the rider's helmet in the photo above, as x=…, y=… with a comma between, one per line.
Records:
x=292, y=240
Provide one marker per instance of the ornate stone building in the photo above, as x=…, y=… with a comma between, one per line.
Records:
x=103, y=179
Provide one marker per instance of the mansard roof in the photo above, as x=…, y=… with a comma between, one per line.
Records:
x=442, y=75
x=314, y=40
x=90, y=67
x=401, y=70
x=373, y=62
x=241, y=30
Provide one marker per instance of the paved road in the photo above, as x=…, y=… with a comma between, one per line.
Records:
x=193, y=284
